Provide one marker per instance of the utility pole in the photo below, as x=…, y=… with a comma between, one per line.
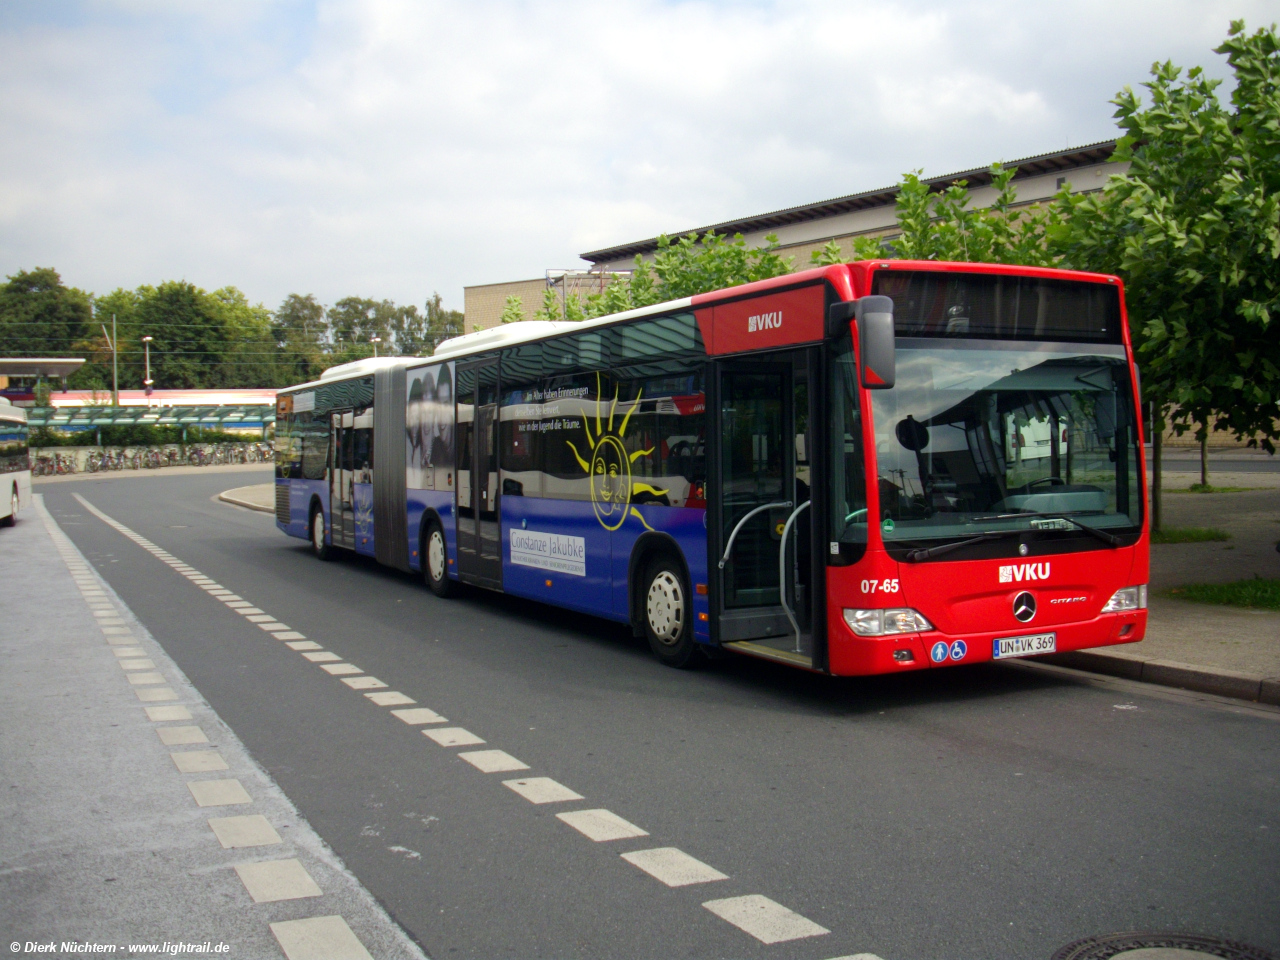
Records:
x=115, y=361
x=146, y=344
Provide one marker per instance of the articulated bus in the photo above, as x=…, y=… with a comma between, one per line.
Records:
x=15, y=463
x=861, y=469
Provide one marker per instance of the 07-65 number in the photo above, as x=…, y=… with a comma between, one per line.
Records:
x=882, y=586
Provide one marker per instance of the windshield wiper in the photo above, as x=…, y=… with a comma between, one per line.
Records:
x=1102, y=535
x=914, y=556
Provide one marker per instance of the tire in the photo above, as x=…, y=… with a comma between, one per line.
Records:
x=321, y=549
x=14, y=503
x=435, y=562
x=667, y=613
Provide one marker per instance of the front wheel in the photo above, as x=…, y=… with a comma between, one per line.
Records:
x=668, y=613
x=435, y=562
x=14, y=503
x=321, y=549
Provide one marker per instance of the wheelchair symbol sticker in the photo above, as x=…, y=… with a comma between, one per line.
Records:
x=958, y=650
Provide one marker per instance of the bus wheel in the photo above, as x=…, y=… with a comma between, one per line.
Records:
x=435, y=562
x=668, y=613
x=318, y=546
x=12, y=518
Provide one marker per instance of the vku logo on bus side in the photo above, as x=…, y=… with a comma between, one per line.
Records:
x=1018, y=572
x=764, y=321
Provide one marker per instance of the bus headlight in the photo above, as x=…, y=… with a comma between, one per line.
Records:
x=881, y=623
x=1130, y=598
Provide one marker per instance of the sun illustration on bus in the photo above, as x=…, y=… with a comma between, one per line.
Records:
x=608, y=465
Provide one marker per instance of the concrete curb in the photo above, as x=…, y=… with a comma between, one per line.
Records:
x=1171, y=673
x=248, y=505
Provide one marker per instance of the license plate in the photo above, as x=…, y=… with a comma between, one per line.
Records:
x=1038, y=643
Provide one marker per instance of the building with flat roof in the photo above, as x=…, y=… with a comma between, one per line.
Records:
x=809, y=227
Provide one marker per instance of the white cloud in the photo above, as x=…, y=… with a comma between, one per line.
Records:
x=390, y=148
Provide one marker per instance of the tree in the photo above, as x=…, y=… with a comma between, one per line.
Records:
x=442, y=324
x=684, y=267
x=512, y=311
x=191, y=337
x=300, y=332
x=40, y=316
x=1194, y=230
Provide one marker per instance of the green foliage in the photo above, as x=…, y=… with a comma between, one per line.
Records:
x=40, y=316
x=513, y=310
x=1259, y=593
x=133, y=435
x=689, y=266
x=1189, y=535
x=299, y=329
x=1194, y=229
x=442, y=324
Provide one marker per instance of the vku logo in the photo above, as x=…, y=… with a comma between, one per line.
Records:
x=764, y=321
x=1018, y=572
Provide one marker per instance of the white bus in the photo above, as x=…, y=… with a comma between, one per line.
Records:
x=15, y=464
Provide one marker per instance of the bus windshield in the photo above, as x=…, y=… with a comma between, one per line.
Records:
x=984, y=436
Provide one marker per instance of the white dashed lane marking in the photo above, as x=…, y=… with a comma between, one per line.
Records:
x=319, y=937
x=156, y=694
x=493, y=761
x=162, y=714
x=542, y=790
x=767, y=921
x=601, y=825
x=673, y=867
x=181, y=736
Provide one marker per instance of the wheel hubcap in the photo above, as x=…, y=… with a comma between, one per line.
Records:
x=317, y=532
x=435, y=556
x=665, y=607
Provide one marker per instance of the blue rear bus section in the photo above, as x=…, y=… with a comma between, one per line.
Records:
x=418, y=504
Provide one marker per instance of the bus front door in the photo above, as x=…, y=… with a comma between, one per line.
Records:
x=763, y=478
x=342, y=514
x=479, y=527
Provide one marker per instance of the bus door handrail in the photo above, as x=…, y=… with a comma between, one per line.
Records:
x=782, y=572
x=738, y=526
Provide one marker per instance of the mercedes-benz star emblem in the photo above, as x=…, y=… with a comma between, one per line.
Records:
x=1024, y=607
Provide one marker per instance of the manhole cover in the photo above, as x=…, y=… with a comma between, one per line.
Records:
x=1159, y=946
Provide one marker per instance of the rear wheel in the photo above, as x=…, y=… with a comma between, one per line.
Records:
x=321, y=549
x=435, y=561
x=668, y=613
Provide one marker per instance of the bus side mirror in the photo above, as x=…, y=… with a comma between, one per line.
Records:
x=874, y=316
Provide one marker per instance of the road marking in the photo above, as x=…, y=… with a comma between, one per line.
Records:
x=115, y=631
x=143, y=664
x=417, y=715
x=542, y=790
x=319, y=938
x=673, y=867
x=152, y=694
x=252, y=830
x=219, y=592
x=198, y=761
x=179, y=736
x=259, y=617
x=363, y=683
x=340, y=669
x=218, y=793
x=128, y=651
x=290, y=635
x=324, y=656
x=493, y=761
x=104, y=613
x=767, y=921
x=249, y=612
x=390, y=698
x=273, y=880
x=237, y=603
x=453, y=737
x=601, y=825
x=144, y=679
x=161, y=714
x=272, y=625
x=232, y=597
x=130, y=638
x=303, y=645
x=858, y=956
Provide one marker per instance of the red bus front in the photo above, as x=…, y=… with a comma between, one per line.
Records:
x=990, y=504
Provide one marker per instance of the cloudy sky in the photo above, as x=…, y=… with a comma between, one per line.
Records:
x=389, y=148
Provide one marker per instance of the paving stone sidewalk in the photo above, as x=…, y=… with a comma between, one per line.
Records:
x=131, y=814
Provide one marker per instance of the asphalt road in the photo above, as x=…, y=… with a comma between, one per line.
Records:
x=986, y=812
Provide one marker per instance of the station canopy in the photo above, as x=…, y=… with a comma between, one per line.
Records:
x=221, y=416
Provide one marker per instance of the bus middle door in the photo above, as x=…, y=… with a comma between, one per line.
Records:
x=479, y=524
x=342, y=515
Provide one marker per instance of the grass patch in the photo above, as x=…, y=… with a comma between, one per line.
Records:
x=1189, y=535
x=1210, y=488
x=1259, y=593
